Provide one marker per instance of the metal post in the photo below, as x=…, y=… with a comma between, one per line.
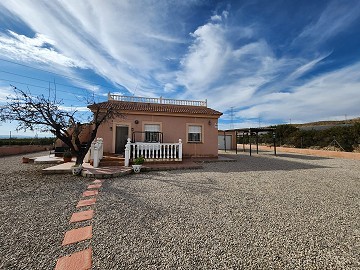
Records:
x=274, y=138
x=225, y=141
x=236, y=139
x=257, y=143
x=243, y=141
x=250, y=142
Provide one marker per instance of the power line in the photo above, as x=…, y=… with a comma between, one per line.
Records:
x=232, y=117
x=37, y=79
x=33, y=78
x=44, y=70
x=57, y=74
x=44, y=87
x=37, y=86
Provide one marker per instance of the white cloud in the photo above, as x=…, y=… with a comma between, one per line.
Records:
x=74, y=108
x=225, y=73
x=206, y=58
x=114, y=39
x=133, y=45
x=330, y=95
x=303, y=69
x=27, y=49
x=216, y=18
x=169, y=87
x=5, y=91
x=334, y=19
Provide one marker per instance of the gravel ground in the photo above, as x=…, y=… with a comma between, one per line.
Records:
x=261, y=212
x=34, y=214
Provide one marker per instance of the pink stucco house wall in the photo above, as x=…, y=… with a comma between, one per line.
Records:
x=161, y=120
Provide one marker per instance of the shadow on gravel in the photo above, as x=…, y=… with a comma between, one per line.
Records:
x=261, y=163
x=302, y=157
x=194, y=186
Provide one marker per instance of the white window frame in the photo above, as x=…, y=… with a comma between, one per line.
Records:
x=188, y=132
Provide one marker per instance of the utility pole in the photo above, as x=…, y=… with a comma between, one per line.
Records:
x=232, y=118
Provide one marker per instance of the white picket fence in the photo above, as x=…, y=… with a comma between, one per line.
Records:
x=153, y=151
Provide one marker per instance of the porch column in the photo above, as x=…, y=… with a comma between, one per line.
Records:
x=127, y=152
x=180, y=149
x=96, y=155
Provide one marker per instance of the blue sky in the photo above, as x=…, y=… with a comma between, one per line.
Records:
x=258, y=62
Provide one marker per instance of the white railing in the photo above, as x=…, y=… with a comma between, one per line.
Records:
x=159, y=100
x=97, y=151
x=153, y=151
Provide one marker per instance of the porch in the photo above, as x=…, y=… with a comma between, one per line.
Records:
x=152, y=152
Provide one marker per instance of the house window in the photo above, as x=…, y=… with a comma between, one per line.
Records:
x=152, y=132
x=194, y=133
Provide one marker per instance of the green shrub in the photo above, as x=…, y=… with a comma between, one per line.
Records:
x=140, y=160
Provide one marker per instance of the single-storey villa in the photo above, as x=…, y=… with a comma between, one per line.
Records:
x=156, y=121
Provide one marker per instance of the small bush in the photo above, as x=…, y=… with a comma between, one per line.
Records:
x=27, y=141
x=140, y=160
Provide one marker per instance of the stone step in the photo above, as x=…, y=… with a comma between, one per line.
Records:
x=109, y=163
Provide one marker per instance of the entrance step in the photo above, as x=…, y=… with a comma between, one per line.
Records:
x=108, y=161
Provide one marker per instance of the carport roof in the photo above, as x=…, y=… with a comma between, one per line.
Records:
x=251, y=130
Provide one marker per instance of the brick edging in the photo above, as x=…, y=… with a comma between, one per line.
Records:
x=81, y=259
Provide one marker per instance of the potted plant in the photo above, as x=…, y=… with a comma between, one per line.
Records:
x=138, y=164
x=67, y=156
x=76, y=169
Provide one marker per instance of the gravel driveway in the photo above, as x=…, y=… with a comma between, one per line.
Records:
x=34, y=213
x=261, y=212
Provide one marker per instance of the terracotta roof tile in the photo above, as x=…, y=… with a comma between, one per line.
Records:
x=154, y=107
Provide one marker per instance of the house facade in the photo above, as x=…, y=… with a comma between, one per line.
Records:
x=159, y=120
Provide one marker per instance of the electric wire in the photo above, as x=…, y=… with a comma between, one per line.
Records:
x=43, y=87
x=60, y=75
x=37, y=79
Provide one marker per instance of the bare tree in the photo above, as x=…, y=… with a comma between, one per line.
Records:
x=47, y=115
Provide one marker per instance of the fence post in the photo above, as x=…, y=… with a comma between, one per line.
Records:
x=92, y=149
x=101, y=147
x=180, y=149
x=127, y=152
x=96, y=155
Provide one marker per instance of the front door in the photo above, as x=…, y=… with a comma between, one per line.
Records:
x=121, y=139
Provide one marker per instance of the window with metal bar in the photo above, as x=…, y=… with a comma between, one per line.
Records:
x=152, y=132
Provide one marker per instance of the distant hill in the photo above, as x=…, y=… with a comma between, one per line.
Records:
x=320, y=125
